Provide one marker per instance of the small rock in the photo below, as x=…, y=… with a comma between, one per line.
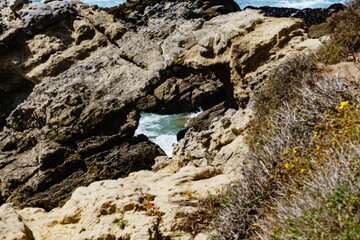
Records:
x=15, y=5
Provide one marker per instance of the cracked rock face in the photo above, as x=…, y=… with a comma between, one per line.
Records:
x=77, y=123
x=75, y=79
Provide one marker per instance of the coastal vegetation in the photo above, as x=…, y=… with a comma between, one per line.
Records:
x=345, y=29
x=302, y=175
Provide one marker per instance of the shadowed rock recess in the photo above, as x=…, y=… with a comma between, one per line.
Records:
x=73, y=79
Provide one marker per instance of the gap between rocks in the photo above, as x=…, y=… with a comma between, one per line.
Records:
x=182, y=91
x=14, y=89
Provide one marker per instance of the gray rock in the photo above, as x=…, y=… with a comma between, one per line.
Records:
x=16, y=4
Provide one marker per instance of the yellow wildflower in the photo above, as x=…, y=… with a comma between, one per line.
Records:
x=303, y=170
x=286, y=166
x=291, y=195
x=271, y=176
x=255, y=224
x=294, y=151
x=269, y=218
x=344, y=104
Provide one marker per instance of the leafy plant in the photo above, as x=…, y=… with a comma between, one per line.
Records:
x=188, y=195
x=147, y=201
x=122, y=222
x=216, y=202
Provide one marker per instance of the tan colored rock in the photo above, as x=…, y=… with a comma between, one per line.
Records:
x=221, y=145
x=93, y=212
x=11, y=225
x=349, y=70
x=254, y=46
x=105, y=23
x=79, y=92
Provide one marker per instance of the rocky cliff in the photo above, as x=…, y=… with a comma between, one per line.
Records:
x=73, y=79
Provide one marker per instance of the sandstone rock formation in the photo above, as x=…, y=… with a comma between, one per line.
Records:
x=81, y=113
x=84, y=76
x=73, y=102
x=251, y=46
x=11, y=225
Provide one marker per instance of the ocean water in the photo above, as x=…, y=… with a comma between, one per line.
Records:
x=162, y=129
x=243, y=3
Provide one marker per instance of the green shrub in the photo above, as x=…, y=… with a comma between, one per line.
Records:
x=345, y=29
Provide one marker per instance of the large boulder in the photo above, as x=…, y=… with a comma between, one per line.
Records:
x=252, y=46
x=116, y=209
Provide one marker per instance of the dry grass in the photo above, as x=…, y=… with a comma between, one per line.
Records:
x=302, y=176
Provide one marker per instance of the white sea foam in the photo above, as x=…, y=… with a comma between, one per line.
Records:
x=162, y=129
x=166, y=142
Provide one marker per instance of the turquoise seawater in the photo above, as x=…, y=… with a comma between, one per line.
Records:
x=243, y=3
x=162, y=129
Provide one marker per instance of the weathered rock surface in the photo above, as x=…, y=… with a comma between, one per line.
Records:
x=72, y=81
x=206, y=9
x=77, y=124
x=11, y=225
x=251, y=45
x=185, y=90
x=203, y=120
x=93, y=212
x=86, y=86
